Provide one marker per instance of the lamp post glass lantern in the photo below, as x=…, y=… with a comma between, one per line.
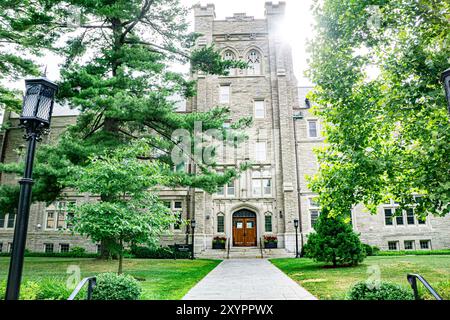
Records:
x=193, y=231
x=445, y=78
x=35, y=118
x=296, y=237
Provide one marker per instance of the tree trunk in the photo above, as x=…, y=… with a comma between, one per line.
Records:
x=120, y=271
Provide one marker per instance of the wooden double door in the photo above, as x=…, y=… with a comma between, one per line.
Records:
x=244, y=231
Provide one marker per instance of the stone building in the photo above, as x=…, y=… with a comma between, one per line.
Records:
x=267, y=198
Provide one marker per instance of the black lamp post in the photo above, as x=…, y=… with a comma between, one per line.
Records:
x=296, y=238
x=193, y=231
x=445, y=78
x=35, y=118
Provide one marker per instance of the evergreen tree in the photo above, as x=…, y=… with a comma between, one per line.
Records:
x=117, y=73
x=24, y=33
x=334, y=241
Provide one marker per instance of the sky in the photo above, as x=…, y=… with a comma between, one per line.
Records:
x=297, y=29
x=297, y=25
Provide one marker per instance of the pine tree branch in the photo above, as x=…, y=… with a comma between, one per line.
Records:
x=144, y=10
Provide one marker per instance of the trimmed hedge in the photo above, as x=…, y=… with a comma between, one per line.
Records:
x=414, y=252
x=379, y=291
x=55, y=254
x=140, y=252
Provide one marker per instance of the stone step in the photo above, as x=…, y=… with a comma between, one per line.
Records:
x=244, y=253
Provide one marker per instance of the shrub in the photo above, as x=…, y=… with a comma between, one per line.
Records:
x=52, y=289
x=379, y=291
x=334, y=241
x=78, y=251
x=141, y=252
x=219, y=240
x=111, y=286
x=370, y=250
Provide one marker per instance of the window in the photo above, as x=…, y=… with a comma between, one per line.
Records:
x=267, y=187
x=260, y=151
x=11, y=220
x=388, y=217
x=99, y=248
x=312, y=129
x=409, y=245
x=1, y=247
x=61, y=220
x=48, y=247
x=2, y=220
x=314, y=216
x=410, y=216
x=230, y=188
x=422, y=220
x=424, y=244
x=392, y=245
x=268, y=223
x=399, y=219
x=221, y=191
x=57, y=216
x=229, y=56
x=261, y=183
x=256, y=187
x=224, y=96
x=50, y=220
x=177, y=210
x=64, y=247
x=178, y=205
x=220, y=223
x=254, y=63
x=314, y=211
x=260, y=111
x=180, y=167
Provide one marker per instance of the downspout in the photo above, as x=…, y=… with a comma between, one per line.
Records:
x=300, y=224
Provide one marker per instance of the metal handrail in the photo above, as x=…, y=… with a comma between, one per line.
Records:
x=261, y=241
x=228, y=248
x=412, y=279
x=92, y=281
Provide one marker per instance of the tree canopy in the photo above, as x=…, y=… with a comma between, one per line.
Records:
x=377, y=66
x=117, y=72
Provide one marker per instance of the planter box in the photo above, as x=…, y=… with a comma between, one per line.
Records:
x=218, y=245
x=270, y=245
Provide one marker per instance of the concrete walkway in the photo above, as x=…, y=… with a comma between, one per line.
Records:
x=247, y=279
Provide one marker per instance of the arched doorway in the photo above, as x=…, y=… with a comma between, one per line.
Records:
x=244, y=228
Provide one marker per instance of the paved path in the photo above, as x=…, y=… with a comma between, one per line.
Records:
x=247, y=279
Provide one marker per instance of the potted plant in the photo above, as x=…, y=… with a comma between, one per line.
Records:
x=219, y=242
x=270, y=242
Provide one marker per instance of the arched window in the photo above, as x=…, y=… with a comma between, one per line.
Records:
x=227, y=56
x=254, y=62
x=220, y=222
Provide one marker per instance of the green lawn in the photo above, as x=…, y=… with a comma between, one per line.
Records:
x=329, y=283
x=164, y=279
